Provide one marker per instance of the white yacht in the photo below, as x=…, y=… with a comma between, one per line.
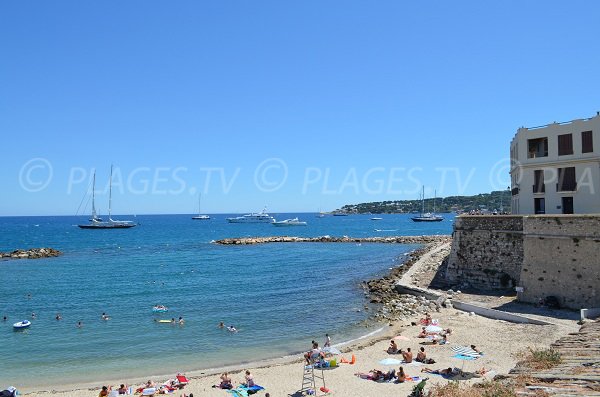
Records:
x=259, y=217
x=290, y=222
x=200, y=216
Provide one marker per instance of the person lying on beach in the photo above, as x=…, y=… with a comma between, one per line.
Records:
x=248, y=379
x=446, y=371
x=393, y=348
x=407, y=356
x=376, y=375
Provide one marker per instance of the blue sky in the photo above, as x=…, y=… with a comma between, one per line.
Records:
x=294, y=105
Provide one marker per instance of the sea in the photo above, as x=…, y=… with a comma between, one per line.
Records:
x=279, y=297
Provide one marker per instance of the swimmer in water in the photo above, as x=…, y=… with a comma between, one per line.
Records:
x=231, y=328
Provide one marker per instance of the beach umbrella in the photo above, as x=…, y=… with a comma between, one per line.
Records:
x=401, y=337
x=331, y=350
x=465, y=351
x=465, y=354
x=390, y=361
x=433, y=329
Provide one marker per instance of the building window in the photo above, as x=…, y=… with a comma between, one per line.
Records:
x=537, y=148
x=565, y=144
x=540, y=205
x=567, y=205
x=587, y=144
x=538, y=177
x=566, y=180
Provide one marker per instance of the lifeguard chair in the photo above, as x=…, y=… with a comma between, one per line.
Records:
x=313, y=376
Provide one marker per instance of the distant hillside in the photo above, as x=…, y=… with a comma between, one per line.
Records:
x=485, y=201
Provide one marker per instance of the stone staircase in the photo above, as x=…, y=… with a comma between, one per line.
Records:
x=579, y=372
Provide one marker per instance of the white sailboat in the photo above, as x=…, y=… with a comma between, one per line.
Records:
x=200, y=216
x=96, y=223
x=427, y=216
x=95, y=217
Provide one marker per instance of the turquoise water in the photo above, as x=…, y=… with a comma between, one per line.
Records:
x=279, y=296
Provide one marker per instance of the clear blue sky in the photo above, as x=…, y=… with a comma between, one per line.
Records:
x=295, y=105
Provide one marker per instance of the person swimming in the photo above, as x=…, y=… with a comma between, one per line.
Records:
x=231, y=328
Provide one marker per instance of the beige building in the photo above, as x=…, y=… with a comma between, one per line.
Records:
x=555, y=168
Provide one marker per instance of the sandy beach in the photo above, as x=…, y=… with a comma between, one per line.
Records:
x=499, y=340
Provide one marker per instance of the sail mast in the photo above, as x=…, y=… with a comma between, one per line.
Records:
x=110, y=194
x=199, y=203
x=434, y=198
x=94, y=215
x=423, y=201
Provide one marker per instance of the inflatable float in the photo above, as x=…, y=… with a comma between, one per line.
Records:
x=22, y=324
x=160, y=309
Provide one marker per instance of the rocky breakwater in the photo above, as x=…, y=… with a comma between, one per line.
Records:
x=330, y=239
x=393, y=306
x=33, y=253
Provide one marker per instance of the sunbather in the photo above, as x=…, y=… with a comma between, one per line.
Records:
x=122, y=389
x=423, y=333
x=421, y=355
x=105, y=390
x=393, y=348
x=249, y=379
x=407, y=356
x=446, y=371
x=226, y=382
x=401, y=375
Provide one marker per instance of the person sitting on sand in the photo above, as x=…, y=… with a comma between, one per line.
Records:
x=401, y=375
x=421, y=355
x=314, y=355
x=122, y=389
x=447, y=331
x=423, y=333
x=407, y=356
x=104, y=392
x=149, y=383
x=393, y=348
x=249, y=379
x=226, y=382
x=444, y=340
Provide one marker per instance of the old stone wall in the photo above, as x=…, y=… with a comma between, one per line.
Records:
x=544, y=255
x=487, y=252
x=562, y=258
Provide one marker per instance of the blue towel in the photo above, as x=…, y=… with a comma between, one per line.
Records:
x=464, y=357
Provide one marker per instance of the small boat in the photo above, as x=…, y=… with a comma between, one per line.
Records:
x=200, y=216
x=290, y=222
x=22, y=324
x=160, y=309
x=260, y=217
x=376, y=218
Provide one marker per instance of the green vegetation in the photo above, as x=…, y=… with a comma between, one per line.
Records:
x=541, y=359
x=496, y=200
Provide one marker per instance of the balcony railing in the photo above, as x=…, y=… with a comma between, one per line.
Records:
x=541, y=188
x=566, y=187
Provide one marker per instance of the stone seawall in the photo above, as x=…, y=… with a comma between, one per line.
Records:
x=33, y=253
x=330, y=239
x=487, y=252
x=543, y=255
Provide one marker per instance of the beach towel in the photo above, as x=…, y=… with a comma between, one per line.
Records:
x=463, y=357
x=244, y=391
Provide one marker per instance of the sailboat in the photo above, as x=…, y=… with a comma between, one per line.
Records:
x=95, y=216
x=96, y=223
x=427, y=216
x=200, y=216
